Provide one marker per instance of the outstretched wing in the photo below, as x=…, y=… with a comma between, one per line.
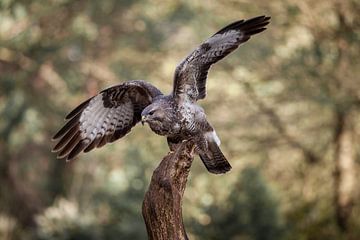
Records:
x=191, y=73
x=104, y=118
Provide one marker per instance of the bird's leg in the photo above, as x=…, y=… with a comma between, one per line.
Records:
x=177, y=147
x=173, y=144
x=188, y=142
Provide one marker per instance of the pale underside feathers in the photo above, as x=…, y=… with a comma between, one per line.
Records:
x=103, y=118
x=112, y=113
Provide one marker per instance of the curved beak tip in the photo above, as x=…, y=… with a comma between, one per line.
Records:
x=143, y=119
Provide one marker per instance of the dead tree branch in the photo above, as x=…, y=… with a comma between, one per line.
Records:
x=162, y=206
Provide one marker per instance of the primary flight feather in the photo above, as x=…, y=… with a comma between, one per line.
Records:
x=112, y=113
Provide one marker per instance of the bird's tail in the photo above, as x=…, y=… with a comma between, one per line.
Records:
x=214, y=159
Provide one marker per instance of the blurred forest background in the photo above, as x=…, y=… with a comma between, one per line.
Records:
x=287, y=111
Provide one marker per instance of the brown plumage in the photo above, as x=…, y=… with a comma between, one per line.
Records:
x=193, y=70
x=112, y=113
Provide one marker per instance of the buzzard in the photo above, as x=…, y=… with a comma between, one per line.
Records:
x=112, y=113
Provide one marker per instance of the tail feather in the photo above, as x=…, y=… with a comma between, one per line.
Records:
x=214, y=160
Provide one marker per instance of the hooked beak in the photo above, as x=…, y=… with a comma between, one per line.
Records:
x=143, y=119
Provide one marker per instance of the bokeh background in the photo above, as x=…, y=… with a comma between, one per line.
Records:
x=286, y=106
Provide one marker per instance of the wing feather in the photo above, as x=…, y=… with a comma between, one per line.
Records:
x=69, y=125
x=103, y=118
x=191, y=73
x=78, y=109
x=70, y=145
x=66, y=138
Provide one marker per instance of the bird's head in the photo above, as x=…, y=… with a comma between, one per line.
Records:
x=160, y=117
x=152, y=113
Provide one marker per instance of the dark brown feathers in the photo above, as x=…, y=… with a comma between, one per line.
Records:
x=191, y=73
x=256, y=23
x=214, y=160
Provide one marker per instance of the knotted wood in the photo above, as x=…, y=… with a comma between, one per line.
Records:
x=162, y=206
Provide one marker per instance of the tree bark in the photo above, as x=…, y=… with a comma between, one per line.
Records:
x=162, y=209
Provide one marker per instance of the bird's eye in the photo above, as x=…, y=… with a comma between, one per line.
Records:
x=151, y=112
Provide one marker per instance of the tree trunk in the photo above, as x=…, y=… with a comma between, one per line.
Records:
x=344, y=177
x=20, y=201
x=163, y=200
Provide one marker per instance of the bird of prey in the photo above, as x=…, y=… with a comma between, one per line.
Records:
x=112, y=113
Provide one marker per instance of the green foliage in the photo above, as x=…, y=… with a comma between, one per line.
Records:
x=64, y=221
x=251, y=212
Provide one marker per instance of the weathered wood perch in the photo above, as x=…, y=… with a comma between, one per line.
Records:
x=162, y=209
